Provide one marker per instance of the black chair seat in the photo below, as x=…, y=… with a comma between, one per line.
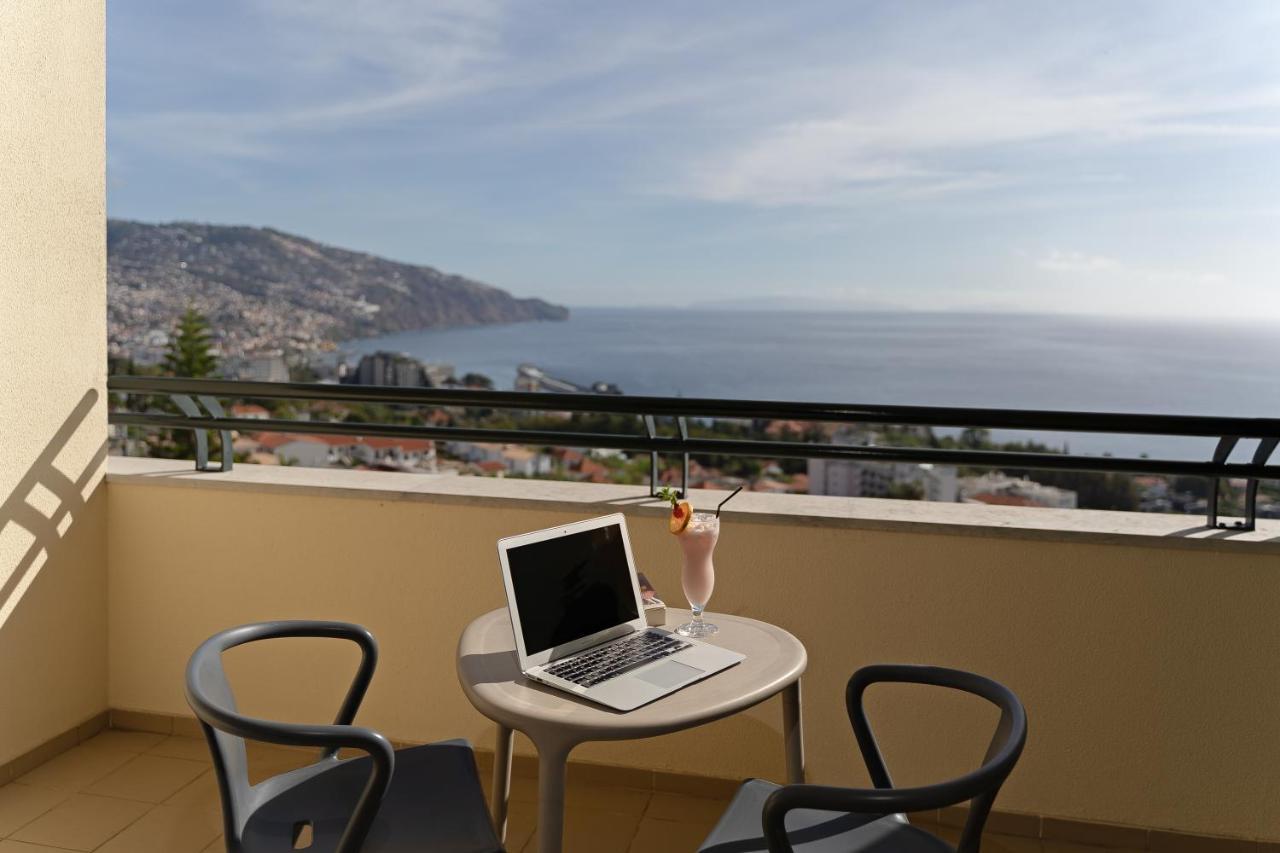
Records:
x=425, y=798
x=434, y=804
x=828, y=819
x=814, y=831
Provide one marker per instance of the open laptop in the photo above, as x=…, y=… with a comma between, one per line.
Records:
x=579, y=624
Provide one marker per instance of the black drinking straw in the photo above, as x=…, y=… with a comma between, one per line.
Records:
x=726, y=500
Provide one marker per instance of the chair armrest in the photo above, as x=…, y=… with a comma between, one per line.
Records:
x=331, y=738
x=868, y=801
x=210, y=697
x=205, y=660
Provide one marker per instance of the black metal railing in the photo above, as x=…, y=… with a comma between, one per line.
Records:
x=193, y=395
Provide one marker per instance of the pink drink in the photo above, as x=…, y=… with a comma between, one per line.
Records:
x=698, y=576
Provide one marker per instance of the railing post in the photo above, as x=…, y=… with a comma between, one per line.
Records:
x=215, y=409
x=684, y=471
x=190, y=409
x=1214, y=486
x=1221, y=453
x=1266, y=447
x=651, y=429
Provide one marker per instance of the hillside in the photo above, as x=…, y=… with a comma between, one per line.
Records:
x=262, y=288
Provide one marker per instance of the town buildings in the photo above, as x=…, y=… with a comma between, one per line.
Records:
x=998, y=489
x=858, y=479
x=345, y=451
x=400, y=370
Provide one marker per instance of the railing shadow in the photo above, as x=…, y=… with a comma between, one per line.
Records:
x=1204, y=531
x=47, y=530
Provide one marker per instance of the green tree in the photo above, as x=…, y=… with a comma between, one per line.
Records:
x=189, y=354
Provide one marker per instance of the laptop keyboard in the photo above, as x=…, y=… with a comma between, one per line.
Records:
x=610, y=661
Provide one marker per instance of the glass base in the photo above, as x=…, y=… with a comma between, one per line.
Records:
x=696, y=629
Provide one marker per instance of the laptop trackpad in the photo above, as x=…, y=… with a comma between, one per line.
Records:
x=669, y=673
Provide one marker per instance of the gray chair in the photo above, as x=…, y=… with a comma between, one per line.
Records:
x=425, y=798
x=822, y=819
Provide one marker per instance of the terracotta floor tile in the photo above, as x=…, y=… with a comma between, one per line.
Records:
x=201, y=793
x=166, y=829
x=149, y=778
x=607, y=798
x=123, y=741
x=595, y=832
x=186, y=748
x=21, y=804
x=82, y=822
x=699, y=811
x=12, y=846
x=215, y=846
x=667, y=836
x=77, y=768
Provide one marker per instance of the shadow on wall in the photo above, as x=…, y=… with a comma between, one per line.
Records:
x=44, y=503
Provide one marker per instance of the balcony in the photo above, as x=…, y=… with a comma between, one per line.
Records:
x=1143, y=645
x=1139, y=644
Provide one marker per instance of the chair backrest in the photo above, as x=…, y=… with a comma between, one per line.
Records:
x=978, y=788
x=210, y=696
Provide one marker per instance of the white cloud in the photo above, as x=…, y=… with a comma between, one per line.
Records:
x=918, y=138
x=1076, y=262
x=1080, y=265
x=352, y=66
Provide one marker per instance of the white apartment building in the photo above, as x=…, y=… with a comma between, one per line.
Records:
x=857, y=479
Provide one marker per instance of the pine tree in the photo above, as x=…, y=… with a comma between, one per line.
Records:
x=189, y=354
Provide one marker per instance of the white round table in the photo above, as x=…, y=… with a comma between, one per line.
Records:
x=556, y=722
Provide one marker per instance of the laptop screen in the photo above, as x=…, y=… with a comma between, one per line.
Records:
x=571, y=587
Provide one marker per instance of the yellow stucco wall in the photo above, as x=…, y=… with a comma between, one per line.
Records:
x=52, y=370
x=1148, y=670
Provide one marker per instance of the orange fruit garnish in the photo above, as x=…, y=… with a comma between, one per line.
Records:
x=680, y=515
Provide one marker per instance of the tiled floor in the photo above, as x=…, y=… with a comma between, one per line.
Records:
x=132, y=792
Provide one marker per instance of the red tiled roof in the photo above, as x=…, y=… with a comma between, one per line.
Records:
x=592, y=468
x=276, y=440
x=406, y=444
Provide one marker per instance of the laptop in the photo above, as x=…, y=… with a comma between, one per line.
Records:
x=579, y=623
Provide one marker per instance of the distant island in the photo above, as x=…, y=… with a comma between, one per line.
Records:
x=267, y=292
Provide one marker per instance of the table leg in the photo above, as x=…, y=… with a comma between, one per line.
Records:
x=502, y=779
x=793, y=733
x=552, y=764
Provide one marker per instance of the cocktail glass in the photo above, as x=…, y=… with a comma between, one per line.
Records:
x=698, y=575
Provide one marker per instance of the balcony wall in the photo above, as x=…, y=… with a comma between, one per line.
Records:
x=1144, y=651
x=53, y=425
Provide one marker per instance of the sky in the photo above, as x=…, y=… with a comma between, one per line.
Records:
x=1030, y=155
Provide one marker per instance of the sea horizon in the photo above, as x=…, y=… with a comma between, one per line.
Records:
x=980, y=360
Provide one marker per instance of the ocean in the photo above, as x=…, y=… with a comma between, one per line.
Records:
x=996, y=360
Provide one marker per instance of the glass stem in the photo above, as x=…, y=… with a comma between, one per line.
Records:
x=697, y=615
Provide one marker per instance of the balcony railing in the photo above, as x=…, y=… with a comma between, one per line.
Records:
x=202, y=411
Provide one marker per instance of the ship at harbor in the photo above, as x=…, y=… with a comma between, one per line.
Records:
x=530, y=377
